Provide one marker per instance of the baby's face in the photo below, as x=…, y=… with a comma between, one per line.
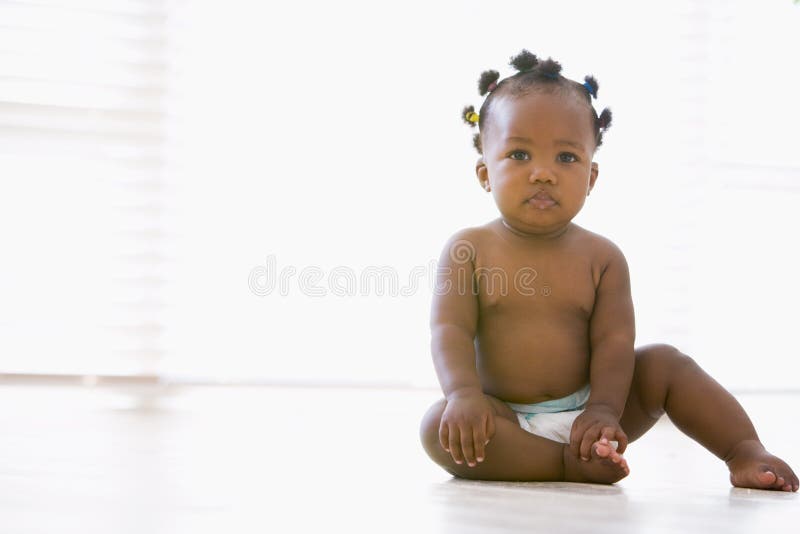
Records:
x=538, y=145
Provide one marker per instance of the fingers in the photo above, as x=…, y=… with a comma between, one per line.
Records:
x=489, y=427
x=608, y=432
x=481, y=435
x=589, y=438
x=581, y=440
x=454, y=445
x=583, y=436
x=575, y=436
x=622, y=440
x=444, y=437
x=466, y=446
x=460, y=445
x=479, y=439
x=475, y=451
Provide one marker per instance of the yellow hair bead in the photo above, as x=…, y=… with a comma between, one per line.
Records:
x=472, y=116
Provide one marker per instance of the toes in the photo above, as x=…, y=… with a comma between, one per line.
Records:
x=624, y=465
x=780, y=482
x=759, y=469
x=769, y=479
x=787, y=483
x=766, y=478
x=616, y=457
x=602, y=450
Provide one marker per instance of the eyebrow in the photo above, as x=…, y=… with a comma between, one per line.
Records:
x=557, y=142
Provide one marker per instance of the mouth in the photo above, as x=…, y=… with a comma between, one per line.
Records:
x=541, y=200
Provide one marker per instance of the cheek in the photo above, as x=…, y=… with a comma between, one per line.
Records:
x=504, y=184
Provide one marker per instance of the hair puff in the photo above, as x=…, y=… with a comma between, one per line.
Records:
x=604, y=120
x=592, y=83
x=550, y=68
x=469, y=116
x=524, y=61
x=488, y=77
x=476, y=142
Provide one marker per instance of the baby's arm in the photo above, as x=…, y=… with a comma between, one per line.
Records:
x=611, y=335
x=468, y=419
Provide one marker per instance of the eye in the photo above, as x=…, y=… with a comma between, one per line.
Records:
x=519, y=155
x=567, y=157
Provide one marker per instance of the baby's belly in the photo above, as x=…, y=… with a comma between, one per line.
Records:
x=529, y=364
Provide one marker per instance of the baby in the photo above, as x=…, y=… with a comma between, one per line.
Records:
x=532, y=320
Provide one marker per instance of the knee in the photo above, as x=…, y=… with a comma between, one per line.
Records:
x=662, y=359
x=429, y=428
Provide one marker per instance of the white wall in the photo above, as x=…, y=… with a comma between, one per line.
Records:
x=327, y=134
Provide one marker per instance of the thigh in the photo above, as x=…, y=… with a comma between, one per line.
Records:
x=511, y=454
x=429, y=428
x=645, y=404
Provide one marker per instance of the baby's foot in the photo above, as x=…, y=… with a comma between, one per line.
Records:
x=752, y=466
x=606, y=465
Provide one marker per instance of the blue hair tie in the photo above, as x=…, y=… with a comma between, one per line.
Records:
x=550, y=75
x=589, y=88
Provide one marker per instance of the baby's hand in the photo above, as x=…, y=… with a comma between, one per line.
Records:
x=594, y=423
x=467, y=426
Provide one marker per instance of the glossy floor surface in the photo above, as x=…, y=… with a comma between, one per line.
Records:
x=212, y=459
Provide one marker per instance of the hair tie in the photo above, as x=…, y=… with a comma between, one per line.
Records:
x=491, y=87
x=472, y=117
x=589, y=88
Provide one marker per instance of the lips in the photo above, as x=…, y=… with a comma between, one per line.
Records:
x=542, y=195
x=542, y=200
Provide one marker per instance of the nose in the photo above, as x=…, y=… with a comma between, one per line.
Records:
x=542, y=174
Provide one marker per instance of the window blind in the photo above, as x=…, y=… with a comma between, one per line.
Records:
x=82, y=195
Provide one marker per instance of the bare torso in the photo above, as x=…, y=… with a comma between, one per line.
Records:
x=535, y=300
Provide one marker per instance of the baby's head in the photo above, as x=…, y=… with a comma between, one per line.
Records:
x=533, y=76
x=538, y=135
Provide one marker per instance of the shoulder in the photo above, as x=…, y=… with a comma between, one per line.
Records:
x=473, y=236
x=604, y=253
x=469, y=240
x=601, y=247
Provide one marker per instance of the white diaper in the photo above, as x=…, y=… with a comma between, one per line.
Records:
x=554, y=426
x=553, y=419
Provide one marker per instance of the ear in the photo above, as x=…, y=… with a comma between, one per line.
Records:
x=592, y=177
x=483, y=174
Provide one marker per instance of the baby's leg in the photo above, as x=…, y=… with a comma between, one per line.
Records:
x=514, y=454
x=665, y=380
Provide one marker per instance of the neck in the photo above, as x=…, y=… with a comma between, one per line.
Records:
x=548, y=235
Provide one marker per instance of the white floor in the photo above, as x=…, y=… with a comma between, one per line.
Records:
x=343, y=460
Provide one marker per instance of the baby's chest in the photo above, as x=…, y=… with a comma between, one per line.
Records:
x=555, y=287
